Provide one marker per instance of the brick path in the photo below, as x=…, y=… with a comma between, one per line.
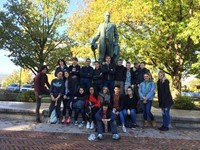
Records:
x=29, y=140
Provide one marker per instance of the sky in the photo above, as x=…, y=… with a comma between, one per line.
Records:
x=7, y=66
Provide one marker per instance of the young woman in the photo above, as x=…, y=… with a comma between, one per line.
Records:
x=105, y=95
x=106, y=119
x=164, y=99
x=78, y=105
x=146, y=93
x=56, y=92
x=61, y=67
x=66, y=98
x=92, y=106
x=129, y=106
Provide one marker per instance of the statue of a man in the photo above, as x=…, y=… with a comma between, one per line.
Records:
x=108, y=40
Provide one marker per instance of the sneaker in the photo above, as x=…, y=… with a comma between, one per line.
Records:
x=58, y=121
x=63, y=121
x=76, y=123
x=88, y=125
x=134, y=126
x=68, y=120
x=115, y=137
x=38, y=121
x=124, y=129
x=164, y=129
x=160, y=127
x=92, y=125
x=99, y=136
x=81, y=125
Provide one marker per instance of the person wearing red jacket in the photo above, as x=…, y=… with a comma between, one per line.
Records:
x=92, y=105
x=40, y=89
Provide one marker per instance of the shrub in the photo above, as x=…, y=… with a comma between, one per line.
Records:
x=7, y=95
x=184, y=102
x=27, y=96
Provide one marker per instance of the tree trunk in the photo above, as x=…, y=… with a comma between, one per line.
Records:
x=176, y=83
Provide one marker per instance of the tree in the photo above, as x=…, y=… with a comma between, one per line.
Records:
x=158, y=32
x=30, y=31
x=17, y=76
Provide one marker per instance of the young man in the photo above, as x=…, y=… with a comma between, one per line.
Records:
x=116, y=100
x=74, y=77
x=40, y=89
x=86, y=74
x=143, y=70
x=105, y=119
x=129, y=74
x=109, y=74
x=120, y=75
x=97, y=77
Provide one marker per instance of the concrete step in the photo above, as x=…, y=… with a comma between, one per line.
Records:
x=26, y=111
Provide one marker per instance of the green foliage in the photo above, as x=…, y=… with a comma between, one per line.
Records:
x=27, y=96
x=29, y=30
x=165, y=34
x=26, y=77
x=184, y=102
x=6, y=95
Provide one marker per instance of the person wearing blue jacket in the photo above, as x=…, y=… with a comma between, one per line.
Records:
x=86, y=74
x=105, y=120
x=147, y=93
x=56, y=92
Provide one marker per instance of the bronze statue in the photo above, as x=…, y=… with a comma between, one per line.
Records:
x=108, y=40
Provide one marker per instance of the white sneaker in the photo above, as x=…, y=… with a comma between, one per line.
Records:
x=92, y=125
x=81, y=125
x=124, y=129
x=88, y=125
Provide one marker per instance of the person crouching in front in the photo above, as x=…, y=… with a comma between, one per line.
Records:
x=105, y=120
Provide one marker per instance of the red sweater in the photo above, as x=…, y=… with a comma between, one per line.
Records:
x=39, y=83
x=93, y=100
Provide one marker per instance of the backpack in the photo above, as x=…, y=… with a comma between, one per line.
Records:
x=53, y=117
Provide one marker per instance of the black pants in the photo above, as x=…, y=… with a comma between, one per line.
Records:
x=52, y=106
x=91, y=117
x=64, y=107
x=112, y=125
x=38, y=103
x=77, y=111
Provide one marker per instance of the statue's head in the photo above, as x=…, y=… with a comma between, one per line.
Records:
x=107, y=17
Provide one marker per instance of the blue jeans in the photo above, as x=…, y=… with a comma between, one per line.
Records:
x=123, y=114
x=166, y=116
x=112, y=124
x=147, y=110
x=110, y=85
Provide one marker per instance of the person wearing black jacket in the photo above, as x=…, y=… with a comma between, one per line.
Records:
x=143, y=70
x=86, y=74
x=97, y=79
x=74, y=77
x=129, y=107
x=105, y=120
x=78, y=105
x=109, y=74
x=164, y=99
x=120, y=75
x=56, y=93
x=61, y=67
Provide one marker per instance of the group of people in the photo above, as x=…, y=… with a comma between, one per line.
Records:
x=104, y=94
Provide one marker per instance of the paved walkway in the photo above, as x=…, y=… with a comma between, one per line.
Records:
x=30, y=107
